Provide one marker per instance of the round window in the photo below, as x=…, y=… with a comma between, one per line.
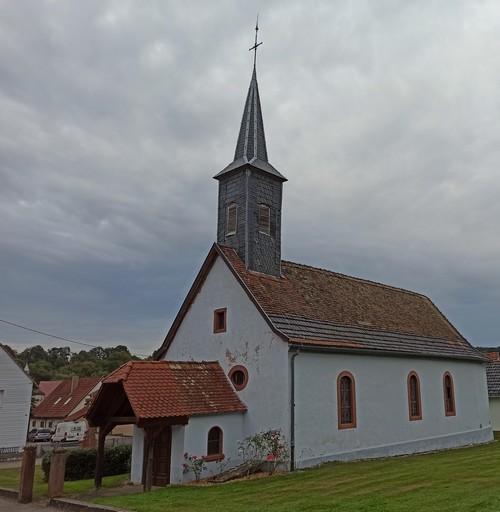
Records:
x=238, y=375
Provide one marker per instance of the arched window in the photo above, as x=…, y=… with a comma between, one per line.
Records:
x=346, y=401
x=232, y=219
x=414, y=403
x=264, y=219
x=214, y=444
x=449, y=395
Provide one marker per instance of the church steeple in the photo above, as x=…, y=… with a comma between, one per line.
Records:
x=250, y=193
x=251, y=144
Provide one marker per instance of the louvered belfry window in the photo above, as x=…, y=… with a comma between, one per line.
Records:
x=232, y=219
x=264, y=219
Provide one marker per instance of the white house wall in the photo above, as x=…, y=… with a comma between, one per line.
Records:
x=495, y=412
x=248, y=341
x=383, y=425
x=15, y=400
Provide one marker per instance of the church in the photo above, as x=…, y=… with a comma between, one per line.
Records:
x=346, y=368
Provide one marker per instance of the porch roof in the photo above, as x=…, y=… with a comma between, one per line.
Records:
x=150, y=390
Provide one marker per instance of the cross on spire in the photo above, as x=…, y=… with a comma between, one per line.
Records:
x=254, y=47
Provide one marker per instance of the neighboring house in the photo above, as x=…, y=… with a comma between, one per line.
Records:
x=67, y=398
x=346, y=368
x=493, y=376
x=45, y=387
x=15, y=401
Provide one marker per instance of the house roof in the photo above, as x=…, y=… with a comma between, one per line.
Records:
x=78, y=415
x=493, y=378
x=168, y=389
x=316, y=308
x=65, y=397
x=47, y=386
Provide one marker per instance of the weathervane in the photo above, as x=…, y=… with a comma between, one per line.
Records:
x=254, y=47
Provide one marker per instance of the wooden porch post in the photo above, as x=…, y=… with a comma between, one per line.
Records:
x=99, y=465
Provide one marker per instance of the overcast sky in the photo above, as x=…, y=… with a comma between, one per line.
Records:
x=115, y=116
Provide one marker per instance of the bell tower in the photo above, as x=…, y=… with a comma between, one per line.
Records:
x=250, y=192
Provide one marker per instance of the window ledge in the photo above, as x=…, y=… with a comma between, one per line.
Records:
x=214, y=457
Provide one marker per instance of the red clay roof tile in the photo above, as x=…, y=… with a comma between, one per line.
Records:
x=64, y=399
x=162, y=389
x=318, y=294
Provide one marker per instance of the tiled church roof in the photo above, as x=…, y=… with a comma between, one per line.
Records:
x=163, y=389
x=317, y=307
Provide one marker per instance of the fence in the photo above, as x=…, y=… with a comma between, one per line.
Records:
x=15, y=452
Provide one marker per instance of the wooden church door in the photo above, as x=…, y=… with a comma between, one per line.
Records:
x=161, y=462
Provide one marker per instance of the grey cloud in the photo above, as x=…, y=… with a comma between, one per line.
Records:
x=116, y=115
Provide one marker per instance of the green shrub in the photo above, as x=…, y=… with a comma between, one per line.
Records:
x=80, y=462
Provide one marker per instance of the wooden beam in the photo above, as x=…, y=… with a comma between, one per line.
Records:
x=162, y=422
x=99, y=464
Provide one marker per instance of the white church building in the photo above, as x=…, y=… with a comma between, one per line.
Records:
x=346, y=368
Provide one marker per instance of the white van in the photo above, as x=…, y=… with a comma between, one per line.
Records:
x=74, y=430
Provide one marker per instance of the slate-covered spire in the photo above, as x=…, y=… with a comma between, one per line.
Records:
x=251, y=140
x=251, y=145
x=250, y=193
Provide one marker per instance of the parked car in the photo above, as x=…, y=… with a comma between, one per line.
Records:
x=40, y=434
x=69, y=431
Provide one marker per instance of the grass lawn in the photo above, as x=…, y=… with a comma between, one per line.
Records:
x=466, y=479
x=9, y=478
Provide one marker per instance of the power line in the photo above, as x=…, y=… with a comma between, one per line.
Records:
x=58, y=337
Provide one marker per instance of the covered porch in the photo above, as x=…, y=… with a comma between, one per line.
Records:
x=156, y=396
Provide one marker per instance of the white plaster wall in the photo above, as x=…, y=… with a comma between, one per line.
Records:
x=193, y=437
x=495, y=412
x=383, y=426
x=248, y=341
x=137, y=455
x=15, y=401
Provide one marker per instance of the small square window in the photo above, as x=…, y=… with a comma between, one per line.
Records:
x=220, y=320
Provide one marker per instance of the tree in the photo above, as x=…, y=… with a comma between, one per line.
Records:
x=58, y=356
x=34, y=355
x=59, y=363
x=98, y=353
x=42, y=370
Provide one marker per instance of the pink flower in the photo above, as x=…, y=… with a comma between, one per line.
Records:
x=278, y=454
x=270, y=457
x=195, y=456
x=203, y=456
x=186, y=455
